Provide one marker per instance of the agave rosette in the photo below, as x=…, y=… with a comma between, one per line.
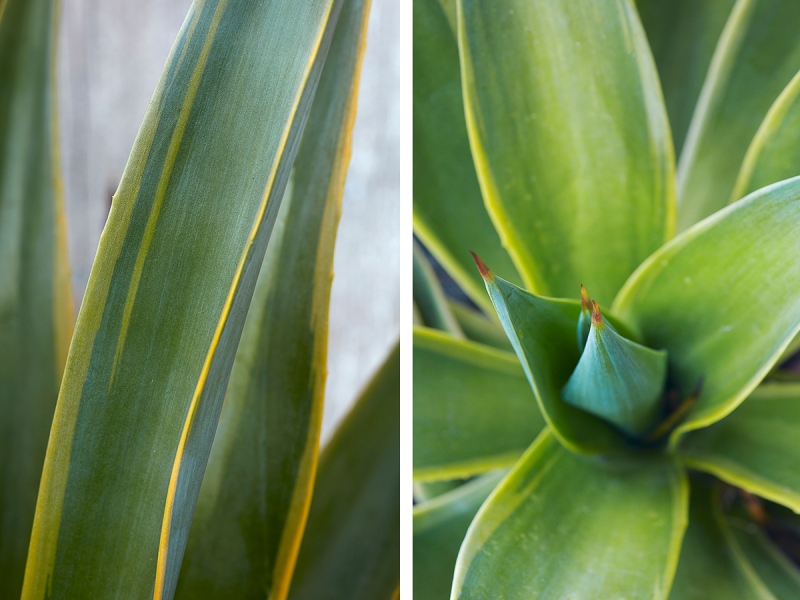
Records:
x=655, y=449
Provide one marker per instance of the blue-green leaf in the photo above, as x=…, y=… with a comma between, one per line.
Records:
x=617, y=379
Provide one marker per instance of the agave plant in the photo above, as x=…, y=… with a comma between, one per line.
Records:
x=211, y=283
x=634, y=437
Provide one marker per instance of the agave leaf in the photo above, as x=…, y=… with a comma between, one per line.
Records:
x=721, y=298
x=774, y=153
x=449, y=214
x=263, y=461
x=570, y=138
x=755, y=447
x=758, y=556
x=707, y=568
x=428, y=490
x=682, y=35
x=757, y=55
x=473, y=408
x=617, y=379
x=429, y=297
x=167, y=299
x=528, y=541
x=352, y=544
x=480, y=328
x=542, y=332
x=35, y=299
x=439, y=528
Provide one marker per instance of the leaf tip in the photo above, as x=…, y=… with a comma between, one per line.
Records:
x=482, y=268
x=597, y=316
x=586, y=301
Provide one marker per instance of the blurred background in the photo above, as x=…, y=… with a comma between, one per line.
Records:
x=111, y=53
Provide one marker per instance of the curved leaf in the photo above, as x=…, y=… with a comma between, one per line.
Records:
x=35, y=299
x=254, y=500
x=722, y=299
x=429, y=297
x=449, y=215
x=563, y=526
x=755, y=447
x=758, y=556
x=352, y=544
x=617, y=379
x=682, y=35
x=570, y=138
x=774, y=153
x=542, y=332
x=757, y=55
x=167, y=299
x=480, y=328
x=473, y=407
x=439, y=528
x=707, y=568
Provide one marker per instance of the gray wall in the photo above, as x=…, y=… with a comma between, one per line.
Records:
x=111, y=55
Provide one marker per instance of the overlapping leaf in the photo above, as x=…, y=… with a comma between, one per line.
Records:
x=558, y=520
x=167, y=299
x=429, y=297
x=449, y=213
x=570, y=138
x=255, y=496
x=722, y=299
x=439, y=529
x=727, y=557
x=757, y=55
x=351, y=548
x=755, y=447
x=542, y=332
x=35, y=297
x=473, y=408
x=683, y=35
x=774, y=153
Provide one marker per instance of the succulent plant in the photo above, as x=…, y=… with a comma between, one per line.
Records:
x=634, y=435
x=211, y=283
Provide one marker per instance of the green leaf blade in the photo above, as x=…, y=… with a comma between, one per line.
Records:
x=449, y=214
x=542, y=332
x=618, y=380
x=757, y=55
x=439, y=529
x=547, y=529
x=473, y=407
x=167, y=299
x=263, y=461
x=707, y=568
x=352, y=544
x=755, y=447
x=774, y=153
x=721, y=299
x=683, y=35
x=429, y=296
x=566, y=118
x=36, y=312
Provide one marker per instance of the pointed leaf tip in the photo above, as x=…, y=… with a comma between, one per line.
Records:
x=586, y=301
x=597, y=316
x=484, y=270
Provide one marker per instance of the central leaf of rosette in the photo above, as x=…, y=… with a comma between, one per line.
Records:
x=616, y=379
